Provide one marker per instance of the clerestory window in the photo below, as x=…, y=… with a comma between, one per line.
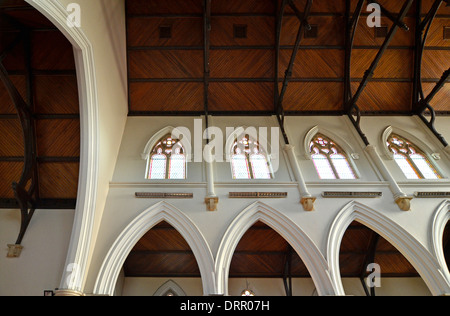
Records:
x=330, y=160
x=167, y=160
x=249, y=161
x=411, y=160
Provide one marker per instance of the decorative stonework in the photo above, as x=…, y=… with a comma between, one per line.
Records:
x=211, y=203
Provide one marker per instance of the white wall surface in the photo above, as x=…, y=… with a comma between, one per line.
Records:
x=41, y=263
x=122, y=207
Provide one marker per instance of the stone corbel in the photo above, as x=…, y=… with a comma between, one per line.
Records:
x=308, y=203
x=68, y=293
x=14, y=251
x=404, y=203
x=211, y=203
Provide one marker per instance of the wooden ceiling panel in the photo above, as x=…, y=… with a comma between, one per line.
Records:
x=166, y=96
x=51, y=51
x=6, y=104
x=318, y=63
x=158, y=7
x=58, y=180
x=397, y=64
x=440, y=101
x=9, y=172
x=260, y=31
x=185, y=32
x=436, y=34
x=11, y=139
x=242, y=96
x=53, y=138
x=255, y=63
x=329, y=31
x=241, y=7
x=314, y=96
x=386, y=97
x=56, y=94
x=166, y=64
x=434, y=63
x=15, y=59
x=365, y=36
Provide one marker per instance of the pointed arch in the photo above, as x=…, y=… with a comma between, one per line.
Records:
x=422, y=260
x=81, y=241
x=175, y=132
x=162, y=211
x=440, y=220
x=170, y=286
x=299, y=240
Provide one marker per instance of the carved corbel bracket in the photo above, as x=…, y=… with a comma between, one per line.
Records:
x=211, y=203
x=404, y=203
x=308, y=203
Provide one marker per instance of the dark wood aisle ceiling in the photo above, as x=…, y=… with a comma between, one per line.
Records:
x=166, y=47
x=52, y=94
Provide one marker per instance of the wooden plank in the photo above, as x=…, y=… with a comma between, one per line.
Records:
x=157, y=7
x=11, y=140
x=165, y=64
x=242, y=96
x=260, y=31
x=241, y=63
x=6, y=103
x=56, y=95
x=9, y=172
x=53, y=138
x=144, y=31
x=51, y=51
x=150, y=96
x=58, y=180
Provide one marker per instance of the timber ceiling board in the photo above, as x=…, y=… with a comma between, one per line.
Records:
x=243, y=70
x=54, y=92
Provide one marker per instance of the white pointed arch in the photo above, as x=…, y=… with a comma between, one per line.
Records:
x=170, y=287
x=422, y=260
x=162, y=211
x=299, y=240
x=440, y=220
x=81, y=241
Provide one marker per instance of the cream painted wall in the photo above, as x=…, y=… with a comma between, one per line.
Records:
x=122, y=207
x=41, y=263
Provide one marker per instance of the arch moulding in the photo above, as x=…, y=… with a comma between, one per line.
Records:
x=423, y=261
x=300, y=242
x=162, y=211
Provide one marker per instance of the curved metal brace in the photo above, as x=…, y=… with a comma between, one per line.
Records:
x=24, y=190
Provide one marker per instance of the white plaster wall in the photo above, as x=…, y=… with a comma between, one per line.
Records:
x=122, y=207
x=41, y=263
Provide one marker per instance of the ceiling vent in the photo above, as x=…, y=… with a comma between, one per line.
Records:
x=240, y=31
x=447, y=32
x=381, y=32
x=165, y=32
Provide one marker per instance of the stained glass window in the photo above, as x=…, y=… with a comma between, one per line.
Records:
x=413, y=162
x=330, y=160
x=167, y=160
x=248, y=160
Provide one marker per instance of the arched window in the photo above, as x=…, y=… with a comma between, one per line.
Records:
x=167, y=160
x=413, y=162
x=249, y=161
x=330, y=160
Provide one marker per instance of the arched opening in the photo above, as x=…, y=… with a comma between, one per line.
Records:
x=265, y=264
x=370, y=265
x=162, y=255
x=446, y=244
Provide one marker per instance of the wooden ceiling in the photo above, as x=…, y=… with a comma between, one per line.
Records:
x=42, y=68
x=263, y=253
x=167, y=52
